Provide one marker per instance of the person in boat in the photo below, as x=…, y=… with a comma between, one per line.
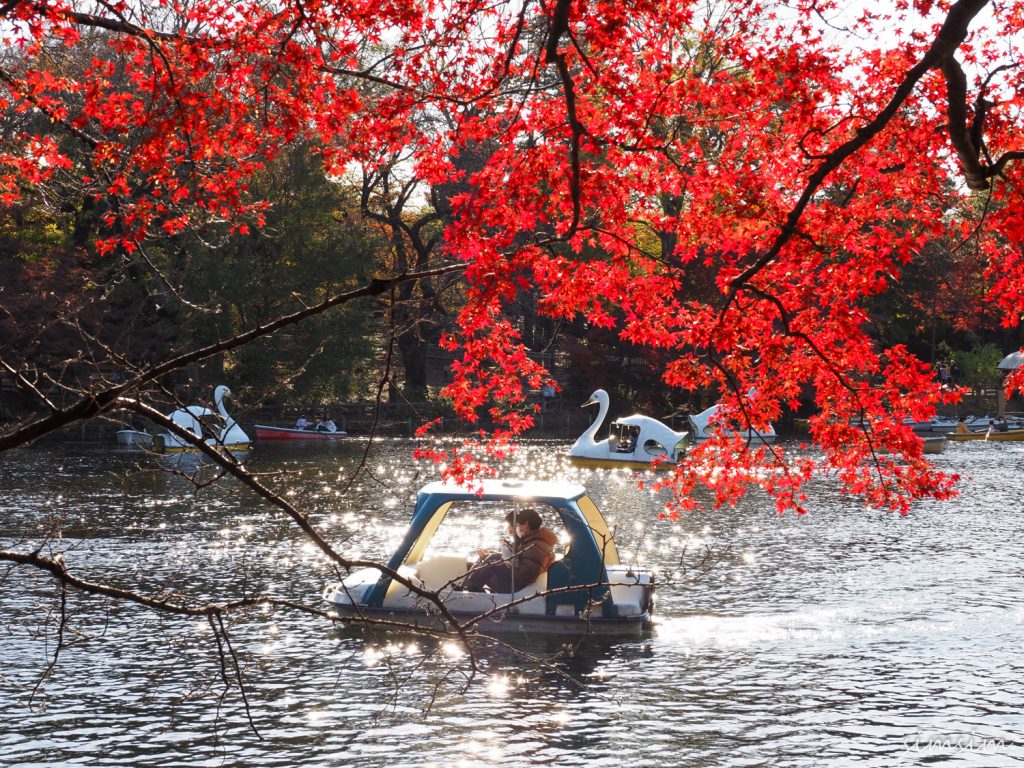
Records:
x=961, y=426
x=547, y=393
x=532, y=552
x=1000, y=425
x=303, y=423
x=326, y=425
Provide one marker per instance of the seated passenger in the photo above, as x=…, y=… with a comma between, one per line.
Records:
x=533, y=551
x=303, y=423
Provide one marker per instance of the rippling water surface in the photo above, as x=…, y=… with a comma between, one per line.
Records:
x=844, y=637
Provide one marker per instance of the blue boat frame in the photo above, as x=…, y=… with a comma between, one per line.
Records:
x=590, y=551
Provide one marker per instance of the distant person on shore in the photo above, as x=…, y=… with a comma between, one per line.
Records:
x=303, y=423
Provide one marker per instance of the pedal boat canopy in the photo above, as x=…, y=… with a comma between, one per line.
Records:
x=586, y=590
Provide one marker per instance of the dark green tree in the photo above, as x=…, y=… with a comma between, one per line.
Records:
x=314, y=245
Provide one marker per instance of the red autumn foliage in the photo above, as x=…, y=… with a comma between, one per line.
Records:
x=801, y=165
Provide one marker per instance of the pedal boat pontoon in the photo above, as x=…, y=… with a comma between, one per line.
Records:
x=587, y=590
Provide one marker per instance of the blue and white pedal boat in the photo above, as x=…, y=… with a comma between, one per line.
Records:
x=587, y=590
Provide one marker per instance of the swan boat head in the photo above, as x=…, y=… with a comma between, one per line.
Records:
x=232, y=434
x=585, y=444
x=702, y=426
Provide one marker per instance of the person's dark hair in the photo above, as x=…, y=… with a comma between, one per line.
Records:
x=531, y=517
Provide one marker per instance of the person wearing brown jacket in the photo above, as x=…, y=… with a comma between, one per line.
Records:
x=532, y=554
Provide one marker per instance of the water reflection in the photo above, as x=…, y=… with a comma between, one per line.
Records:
x=842, y=637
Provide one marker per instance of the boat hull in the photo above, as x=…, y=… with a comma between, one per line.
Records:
x=160, y=447
x=501, y=623
x=1010, y=435
x=264, y=432
x=584, y=461
x=943, y=426
x=934, y=444
x=755, y=438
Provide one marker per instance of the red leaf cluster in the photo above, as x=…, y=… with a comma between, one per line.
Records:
x=629, y=151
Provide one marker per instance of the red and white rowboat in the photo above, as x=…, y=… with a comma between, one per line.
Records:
x=264, y=432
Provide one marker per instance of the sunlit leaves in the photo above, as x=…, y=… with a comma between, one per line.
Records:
x=677, y=172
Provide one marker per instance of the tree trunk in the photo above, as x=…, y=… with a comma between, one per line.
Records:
x=414, y=360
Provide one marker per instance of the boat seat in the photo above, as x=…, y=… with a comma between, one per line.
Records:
x=438, y=571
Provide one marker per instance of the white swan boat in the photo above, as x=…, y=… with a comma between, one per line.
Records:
x=703, y=426
x=196, y=419
x=633, y=442
x=586, y=590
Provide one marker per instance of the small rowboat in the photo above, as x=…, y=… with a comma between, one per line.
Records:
x=264, y=432
x=134, y=438
x=988, y=434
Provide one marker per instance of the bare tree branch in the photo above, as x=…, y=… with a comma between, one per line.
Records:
x=96, y=403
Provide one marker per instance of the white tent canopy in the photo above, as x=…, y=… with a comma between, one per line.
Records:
x=1011, y=362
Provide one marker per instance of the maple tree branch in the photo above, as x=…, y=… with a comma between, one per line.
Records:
x=981, y=107
x=510, y=53
x=784, y=318
x=839, y=376
x=965, y=140
x=576, y=127
x=952, y=33
x=124, y=26
x=120, y=25
x=998, y=165
x=559, y=25
x=977, y=226
x=15, y=86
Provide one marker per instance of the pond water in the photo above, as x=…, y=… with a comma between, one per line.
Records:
x=843, y=637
